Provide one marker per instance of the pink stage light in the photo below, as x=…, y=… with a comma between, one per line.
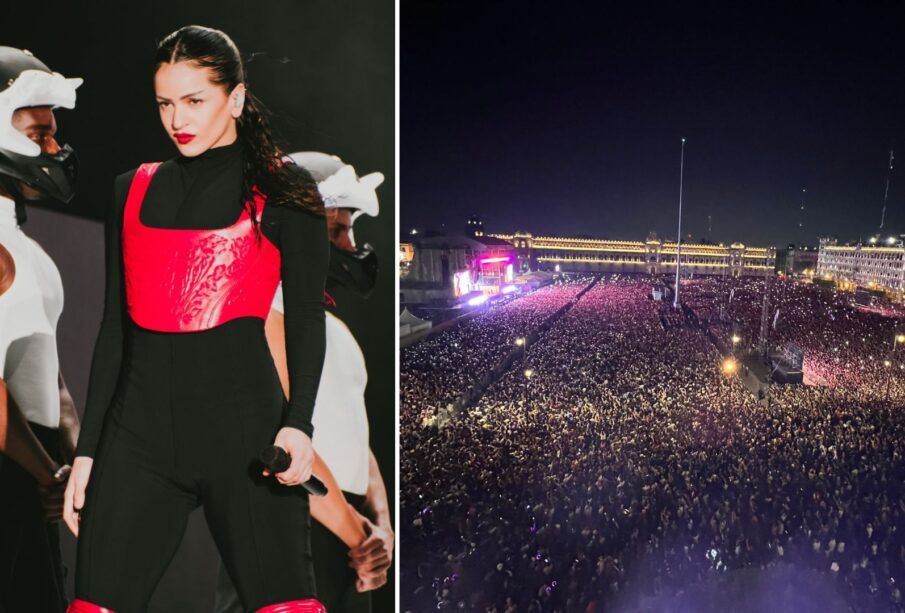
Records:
x=492, y=260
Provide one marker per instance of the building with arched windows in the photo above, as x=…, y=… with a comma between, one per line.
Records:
x=878, y=264
x=651, y=256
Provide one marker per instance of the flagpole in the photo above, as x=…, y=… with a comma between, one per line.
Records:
x=675, y=303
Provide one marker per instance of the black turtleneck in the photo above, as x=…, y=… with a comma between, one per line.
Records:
x=201, y=193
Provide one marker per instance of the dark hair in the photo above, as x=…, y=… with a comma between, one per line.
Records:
x=264, y=168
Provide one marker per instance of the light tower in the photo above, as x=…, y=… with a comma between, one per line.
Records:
x=764, y=317
x=886, y=193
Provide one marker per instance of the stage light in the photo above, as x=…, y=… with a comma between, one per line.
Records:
x=729, y=366
x=477, y=300
x=736, y=339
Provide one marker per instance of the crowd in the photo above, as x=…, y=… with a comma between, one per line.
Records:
x=617, y=464
x=435, y=371
x=843, y=344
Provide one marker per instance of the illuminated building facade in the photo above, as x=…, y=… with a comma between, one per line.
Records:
x=878, y=264
x=652, y=256
x=406, y=255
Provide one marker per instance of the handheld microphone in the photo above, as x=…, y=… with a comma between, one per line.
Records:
x=277, y=460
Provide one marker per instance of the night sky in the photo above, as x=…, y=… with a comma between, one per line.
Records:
x=556, y=121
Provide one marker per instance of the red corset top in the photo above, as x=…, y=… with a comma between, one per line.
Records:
x=192, y=280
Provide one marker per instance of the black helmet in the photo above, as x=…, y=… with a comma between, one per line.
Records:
x=26, y=81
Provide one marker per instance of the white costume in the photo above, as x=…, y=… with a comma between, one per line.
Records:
x=29, y=311
x=31, y=306
x=340, y=418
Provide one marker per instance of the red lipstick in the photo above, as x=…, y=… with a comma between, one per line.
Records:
x=183, y=138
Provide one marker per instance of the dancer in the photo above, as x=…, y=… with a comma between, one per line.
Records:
x=38, y=422
x=340, y=416
x=183, y=391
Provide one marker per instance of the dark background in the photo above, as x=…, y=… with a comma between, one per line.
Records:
x=326, y=70
x=555, y=119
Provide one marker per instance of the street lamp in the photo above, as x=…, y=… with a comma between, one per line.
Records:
x=736, y=339
x=730, y=366
x=529, y=373
x=520, y=341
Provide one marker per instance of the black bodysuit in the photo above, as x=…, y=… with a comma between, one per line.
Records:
x=175, y=420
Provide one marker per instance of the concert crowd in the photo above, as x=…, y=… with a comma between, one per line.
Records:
x=617, y=467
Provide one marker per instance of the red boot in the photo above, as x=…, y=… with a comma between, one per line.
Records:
x=80, y=606
x=296, y=606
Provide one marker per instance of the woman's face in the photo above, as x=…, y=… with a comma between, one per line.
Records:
x=196, y=113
